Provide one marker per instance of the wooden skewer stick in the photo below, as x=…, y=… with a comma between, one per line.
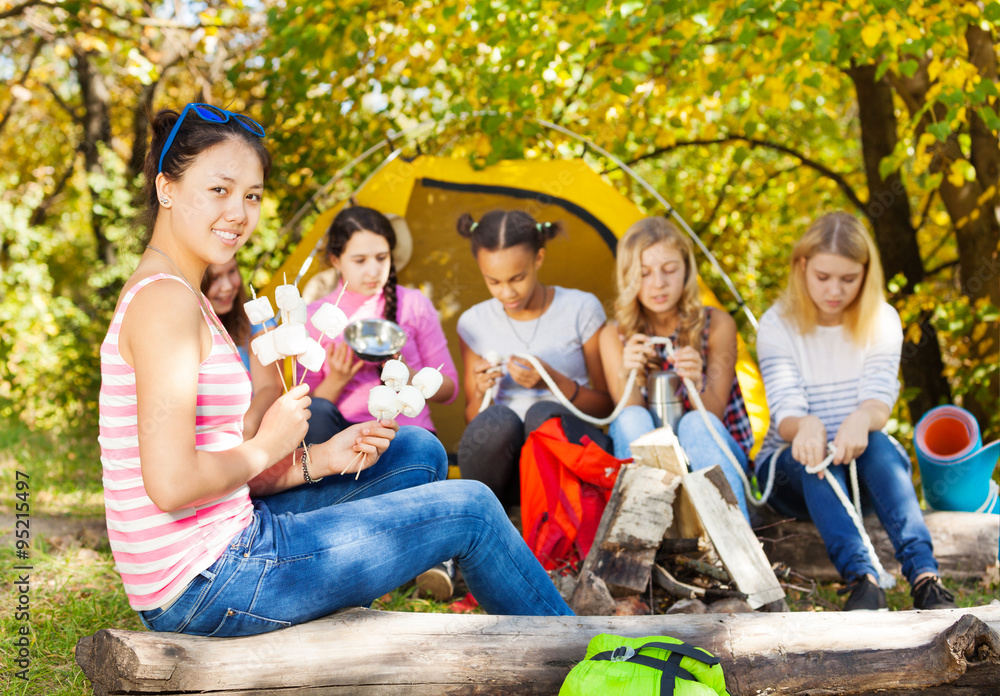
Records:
x=281, y=374
x=277, y=364
x=351, y=463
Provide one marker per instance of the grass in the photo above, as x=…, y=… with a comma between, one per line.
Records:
x=76, y=591
x=64, y=471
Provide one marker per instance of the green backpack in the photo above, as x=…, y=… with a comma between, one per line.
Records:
x=650, y=666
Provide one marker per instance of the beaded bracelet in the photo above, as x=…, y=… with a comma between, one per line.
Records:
x=305, y=467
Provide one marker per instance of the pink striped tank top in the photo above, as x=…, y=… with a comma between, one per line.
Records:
x=158, y=553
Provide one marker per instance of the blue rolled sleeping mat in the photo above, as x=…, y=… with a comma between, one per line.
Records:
x=955, y=468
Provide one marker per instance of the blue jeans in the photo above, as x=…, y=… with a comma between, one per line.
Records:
x=325, y=421
x=307, y=557
x=884, y=477
x=703, y=451
x=631, y=423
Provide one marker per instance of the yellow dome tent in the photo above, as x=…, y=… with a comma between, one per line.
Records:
x=430, y=193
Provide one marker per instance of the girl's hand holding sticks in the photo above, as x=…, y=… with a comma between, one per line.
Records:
x=285, y=423
x=354, y=449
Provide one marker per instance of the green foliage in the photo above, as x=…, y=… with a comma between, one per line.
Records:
x=56, y=301
x=742, y=114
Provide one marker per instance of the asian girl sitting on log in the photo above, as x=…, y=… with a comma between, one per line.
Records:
x=217, y=535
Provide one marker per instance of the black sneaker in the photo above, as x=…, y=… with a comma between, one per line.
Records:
x=929, y=593
x=865, y=594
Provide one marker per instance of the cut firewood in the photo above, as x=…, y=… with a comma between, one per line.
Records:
x=637, y=514
x=376, y=653
x=660, y=448
x=734, y=541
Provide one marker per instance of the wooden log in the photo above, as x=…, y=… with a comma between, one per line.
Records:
x=734, y=541
x=672, y=547
x=360, y=651
x=660, y=448
x=965, y=544
x=637, y=515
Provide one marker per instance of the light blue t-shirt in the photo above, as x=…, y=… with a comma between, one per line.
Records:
x=556, y=337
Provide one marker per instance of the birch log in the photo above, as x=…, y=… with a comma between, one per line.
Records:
x=965, y=543
x=360, y=651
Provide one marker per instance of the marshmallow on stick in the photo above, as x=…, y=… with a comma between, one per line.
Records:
x=395, y=374
x=287, y=297
x=290, y=339
x=298, y=314
x=382, y=403
x=428, y=380
x=313, y=357
x=263, y=347
x=258, y=310
x=410, y=401
x=330, y=320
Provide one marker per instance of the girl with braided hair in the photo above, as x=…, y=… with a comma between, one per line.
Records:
x=359, y=245
x=558, y=326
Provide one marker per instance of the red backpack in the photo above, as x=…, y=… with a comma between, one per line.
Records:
x=565, y=485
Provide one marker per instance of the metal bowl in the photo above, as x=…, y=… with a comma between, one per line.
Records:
x=374, y=340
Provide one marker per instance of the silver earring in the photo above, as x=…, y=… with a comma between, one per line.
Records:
x=165, y=201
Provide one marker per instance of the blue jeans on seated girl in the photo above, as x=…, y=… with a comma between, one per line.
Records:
x=886, y=486
x=699, y=445
x=325, y=421
x=316, y=549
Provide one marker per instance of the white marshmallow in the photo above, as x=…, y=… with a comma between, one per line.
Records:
x=395, y=374
x=290, y=339
x=493, y=358
x=297, y=315
x=259, y=310
x=329, y=319
x=382, y=403
x=287, y=297
x=428, y=380
x=410, y=401
x=263, y=348
x=313, y=357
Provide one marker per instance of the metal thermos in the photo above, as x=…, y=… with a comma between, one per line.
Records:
x=663, y=399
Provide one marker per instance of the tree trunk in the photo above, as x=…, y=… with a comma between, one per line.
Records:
x=96, y=129
x=890, y=214
x=373, y=652
x=965, y=544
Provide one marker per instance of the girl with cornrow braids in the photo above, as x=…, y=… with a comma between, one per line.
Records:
x=359, y=245
x=558, y=326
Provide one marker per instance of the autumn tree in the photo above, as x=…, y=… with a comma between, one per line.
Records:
x=750, y=117
x=79, y=79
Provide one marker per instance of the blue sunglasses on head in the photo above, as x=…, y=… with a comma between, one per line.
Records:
x=207, y=112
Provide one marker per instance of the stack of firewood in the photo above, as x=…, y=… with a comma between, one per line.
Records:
x=674, y=541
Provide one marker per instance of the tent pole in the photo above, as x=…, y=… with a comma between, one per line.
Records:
x=587, y=143
x=669, y=208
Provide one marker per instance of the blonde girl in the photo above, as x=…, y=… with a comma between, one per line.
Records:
x=829, y=354
x=658, y=295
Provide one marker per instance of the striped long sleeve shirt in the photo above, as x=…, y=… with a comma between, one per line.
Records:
x=825, y=373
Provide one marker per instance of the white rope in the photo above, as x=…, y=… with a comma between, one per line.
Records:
x=854, y=511
x=991, y=497
x=561, y=398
